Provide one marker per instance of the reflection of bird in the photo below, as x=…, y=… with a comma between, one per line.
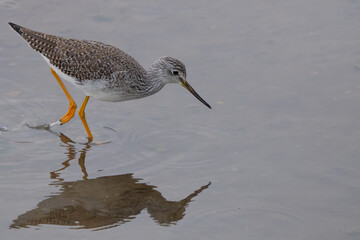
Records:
x=104, y=202
x=102, y=71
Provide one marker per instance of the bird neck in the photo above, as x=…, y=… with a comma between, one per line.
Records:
x=154, y=81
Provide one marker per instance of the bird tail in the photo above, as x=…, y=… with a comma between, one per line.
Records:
x=16, y=27
x=39, y=41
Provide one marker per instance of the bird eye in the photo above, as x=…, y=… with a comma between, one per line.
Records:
x=175, y=72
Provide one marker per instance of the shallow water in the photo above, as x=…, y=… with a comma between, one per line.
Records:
x=280, y=146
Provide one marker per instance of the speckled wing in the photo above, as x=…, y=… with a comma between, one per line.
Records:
x=82, y=59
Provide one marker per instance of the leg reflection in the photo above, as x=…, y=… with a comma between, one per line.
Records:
x=71, y=155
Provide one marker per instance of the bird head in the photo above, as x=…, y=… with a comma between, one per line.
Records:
x=171, y=70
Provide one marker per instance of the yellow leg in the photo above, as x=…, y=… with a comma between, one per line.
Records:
x=72, y=105
x=82, y=116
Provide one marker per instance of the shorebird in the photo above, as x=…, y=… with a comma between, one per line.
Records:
x=102, y=71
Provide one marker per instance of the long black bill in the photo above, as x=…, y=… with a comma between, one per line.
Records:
x=186, y=85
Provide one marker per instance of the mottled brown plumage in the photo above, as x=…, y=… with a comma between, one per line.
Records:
x=81, y=59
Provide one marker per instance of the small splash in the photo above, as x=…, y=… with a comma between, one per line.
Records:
x=55, y=123
x=4, y=129
x=99, y=143
x=44, y=126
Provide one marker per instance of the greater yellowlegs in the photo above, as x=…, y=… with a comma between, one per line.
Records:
x=102, y=71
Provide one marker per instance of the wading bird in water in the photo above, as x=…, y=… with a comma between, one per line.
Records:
x=102, y=71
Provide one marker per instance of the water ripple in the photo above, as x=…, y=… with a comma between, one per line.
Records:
x=8, y=4
x=255, y=215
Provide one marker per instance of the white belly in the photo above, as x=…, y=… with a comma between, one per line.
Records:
x=93, y=89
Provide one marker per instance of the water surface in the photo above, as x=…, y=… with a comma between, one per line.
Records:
x=280, y=146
